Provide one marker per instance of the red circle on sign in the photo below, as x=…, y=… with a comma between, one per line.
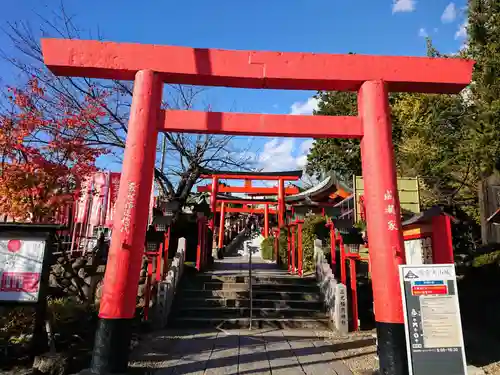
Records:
x=14, y=246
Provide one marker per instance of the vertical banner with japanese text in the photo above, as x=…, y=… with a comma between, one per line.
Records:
x=114, y=185
x=83, y=202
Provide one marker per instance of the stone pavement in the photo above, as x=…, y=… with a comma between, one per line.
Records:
x=219, y=352
x=216, y=351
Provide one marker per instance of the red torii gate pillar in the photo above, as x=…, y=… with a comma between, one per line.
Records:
x=222, y=225
x=253, y=69
x=384, y=221
x=266, y=220
x=123, y=267
x=281, y=202
x=213, y=201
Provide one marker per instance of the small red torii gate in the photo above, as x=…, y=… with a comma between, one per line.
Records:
x=149, y=66
x=248, y=177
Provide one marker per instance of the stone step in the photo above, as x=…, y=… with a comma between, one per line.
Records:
x=213, y=285
x=263, y=303
x=244, y=312
x=258, y=294
x=258, y=279
x=243, y=323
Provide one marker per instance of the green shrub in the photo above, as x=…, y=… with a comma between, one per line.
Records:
x=486, y=259
x=267, y=248
x=283, y=248
x=314, y=227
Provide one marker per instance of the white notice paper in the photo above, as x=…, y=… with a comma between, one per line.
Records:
x=21, y=263
x=440, y=322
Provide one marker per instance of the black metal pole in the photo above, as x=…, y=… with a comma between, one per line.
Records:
x=250, y=284
x=40, y=340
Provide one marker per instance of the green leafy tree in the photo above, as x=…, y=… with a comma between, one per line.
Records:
x=335, y=154
x=484, y=47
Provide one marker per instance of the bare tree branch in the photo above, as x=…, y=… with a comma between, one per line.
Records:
x=193, y=152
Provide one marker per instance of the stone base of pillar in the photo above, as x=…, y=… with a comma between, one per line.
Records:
x=391, y=346
x=111, y=347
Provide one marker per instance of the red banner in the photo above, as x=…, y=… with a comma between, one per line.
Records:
x=114, y=185
x=83, y=202
x=98, y=202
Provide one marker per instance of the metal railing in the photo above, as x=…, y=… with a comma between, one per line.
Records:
x=250, y=286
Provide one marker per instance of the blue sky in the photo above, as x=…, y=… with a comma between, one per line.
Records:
x=381, y=27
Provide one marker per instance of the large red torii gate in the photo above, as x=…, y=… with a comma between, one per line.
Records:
x=372, y=77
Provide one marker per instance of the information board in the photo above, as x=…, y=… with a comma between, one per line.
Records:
x=418, y=251
x=21, y=264
x=433, y=327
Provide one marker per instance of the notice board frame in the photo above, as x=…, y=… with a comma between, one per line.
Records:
x=46, y=232
x=451, y=285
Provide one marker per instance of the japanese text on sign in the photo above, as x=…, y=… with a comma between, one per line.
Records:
x=129, y=205
x=432, y=320
x=390, y=210
x=21, y=263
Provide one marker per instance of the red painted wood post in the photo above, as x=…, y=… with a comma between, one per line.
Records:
x=124, y=263
x=166, y=246
x=266, y=220
x=299, y=246
x=333, y=245
x=213, y=200
x=293, y=246
x=276, y=245
x=204, y=248
x=199, y=247
x=222, y=225
x=159, y=263
x=289, y=245
x=343, y=271
x=354, y=293
x=442, y=240
x=281, y=202
x=384, y=224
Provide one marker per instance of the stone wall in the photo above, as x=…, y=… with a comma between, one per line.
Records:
x=166, y=289
x=82, y=278
x=334, y=293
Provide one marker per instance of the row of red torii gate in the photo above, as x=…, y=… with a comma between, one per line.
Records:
x=150, y=66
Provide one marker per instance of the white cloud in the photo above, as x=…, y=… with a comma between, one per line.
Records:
x=278, y=154
x=304, y=108
x=449, y=14
x=423, y=33
x=403, y=6
x=306, y=145
x=462, y=30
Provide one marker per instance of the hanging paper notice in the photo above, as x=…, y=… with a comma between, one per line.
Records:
x=21, y=263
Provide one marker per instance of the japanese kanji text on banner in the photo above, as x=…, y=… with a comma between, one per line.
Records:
x=21, y=263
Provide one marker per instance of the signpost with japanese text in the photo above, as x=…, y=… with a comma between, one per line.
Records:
x=432, y=320
x=25, y=251
x=21, y=264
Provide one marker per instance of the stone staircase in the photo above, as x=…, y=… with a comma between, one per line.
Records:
x=221, y=298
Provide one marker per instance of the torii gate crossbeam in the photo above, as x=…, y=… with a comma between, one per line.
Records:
x=372, y=77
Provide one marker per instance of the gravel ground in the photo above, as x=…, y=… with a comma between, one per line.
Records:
x=357, y=350
x=360, y=357
x=492, y=368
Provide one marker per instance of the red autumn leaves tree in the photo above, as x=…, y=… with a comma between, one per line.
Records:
x=44, y=151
